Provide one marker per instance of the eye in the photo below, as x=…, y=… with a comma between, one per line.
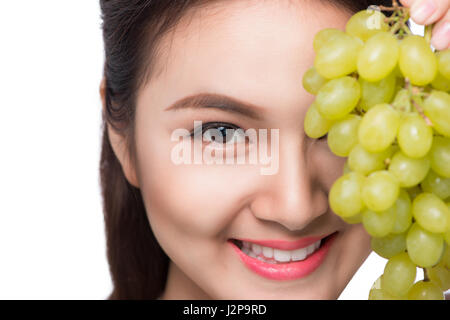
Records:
x=227, y=131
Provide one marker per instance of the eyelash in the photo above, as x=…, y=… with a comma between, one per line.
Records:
x=214, y=125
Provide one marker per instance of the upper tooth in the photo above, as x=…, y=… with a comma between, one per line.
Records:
x=254, y=250
x=267, y=252
x=281, y=255
x=299, y=254
x=310, y=249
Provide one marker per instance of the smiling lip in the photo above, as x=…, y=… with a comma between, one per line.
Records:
x=290, y=270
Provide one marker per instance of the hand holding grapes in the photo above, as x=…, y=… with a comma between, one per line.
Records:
x=426, y=12
x=382, y=97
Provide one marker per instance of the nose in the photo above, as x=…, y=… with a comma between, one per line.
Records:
x=292, y=197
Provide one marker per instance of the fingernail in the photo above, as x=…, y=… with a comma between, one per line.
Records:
x=441, y=37
x=422, y=10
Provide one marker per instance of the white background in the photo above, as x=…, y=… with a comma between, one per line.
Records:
x=52, y=242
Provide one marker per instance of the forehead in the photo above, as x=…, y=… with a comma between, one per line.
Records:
x=242, y=48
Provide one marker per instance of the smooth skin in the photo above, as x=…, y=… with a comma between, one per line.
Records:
x=425, y=12
x=254, y=51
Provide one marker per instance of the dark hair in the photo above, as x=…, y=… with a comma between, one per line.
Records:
x=131, y=30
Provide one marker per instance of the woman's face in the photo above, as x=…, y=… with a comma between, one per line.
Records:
x=254, y=52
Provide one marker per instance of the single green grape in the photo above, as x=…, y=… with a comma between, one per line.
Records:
x=436, y=108
x=338, y=97
x=425, y=290
x=315, y=124
x=337, y=57
x=431, y=213
x=378, y=57
x=440, y=156
x=366, y=23
x=343, y=135
x=424, y=247
x=324, y=36
x=403, y=217
x=390, y=245
x=399, y=275
x=380, y=190
x=313, y=81
x=441, y=83
x=378, y=293
x=402, y=101
x=436, y=184
x=414, y=136
x=373, y=93
x=417, y=61
x=440, y=276
x=378, y=128
x=345, y=195
x=443, y=58
x=365, y=162
x=409, y=171
x=379, y=224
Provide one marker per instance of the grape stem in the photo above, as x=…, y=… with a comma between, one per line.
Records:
x=421, y=112
x=428, y=33
x=414, y=93
x=398, y=20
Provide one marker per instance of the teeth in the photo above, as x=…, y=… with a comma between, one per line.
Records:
x=281, y=255
x=299, y=254
x=271, y=255
x=256, y=248
x=267, y=252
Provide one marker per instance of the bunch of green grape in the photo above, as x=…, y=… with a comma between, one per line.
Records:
x=382, y=99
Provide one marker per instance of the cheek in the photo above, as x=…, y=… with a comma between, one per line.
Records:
x=191, y=201
x=328, y=167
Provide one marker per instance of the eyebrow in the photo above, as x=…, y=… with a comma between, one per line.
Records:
x=219, y=102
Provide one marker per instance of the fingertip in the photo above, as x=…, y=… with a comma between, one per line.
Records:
x=425, y=12
x=441, y=36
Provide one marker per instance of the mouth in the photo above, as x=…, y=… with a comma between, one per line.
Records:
x=277, y=264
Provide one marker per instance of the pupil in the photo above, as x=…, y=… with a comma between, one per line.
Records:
x=224, y=133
